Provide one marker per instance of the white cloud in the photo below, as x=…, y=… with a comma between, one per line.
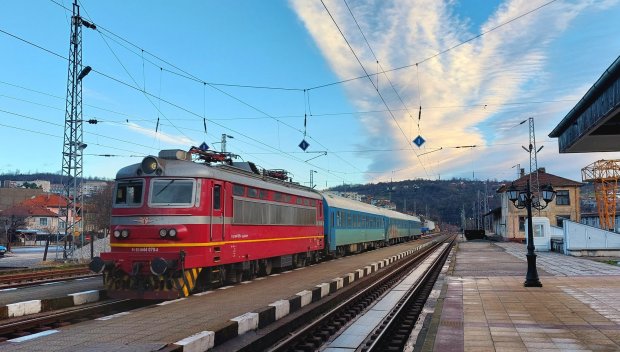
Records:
x=170, y=139
x=506, y=65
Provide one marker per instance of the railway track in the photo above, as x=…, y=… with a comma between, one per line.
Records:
x=20, y=327
x=21, y=279
x=312, y=328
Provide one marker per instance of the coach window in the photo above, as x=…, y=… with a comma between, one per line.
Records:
x=217, y=202
x=338, y=219
x=264, y=194
x=278, y=196
x=298, y=201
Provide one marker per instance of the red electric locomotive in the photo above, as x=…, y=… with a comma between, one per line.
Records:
x=181, y=225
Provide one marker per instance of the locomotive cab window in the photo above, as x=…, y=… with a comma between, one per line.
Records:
x=128, y=193
x=172, y=192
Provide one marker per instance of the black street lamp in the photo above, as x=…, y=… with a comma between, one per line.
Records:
x=525, y=199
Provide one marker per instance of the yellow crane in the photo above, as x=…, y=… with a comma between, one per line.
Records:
x=604, y=174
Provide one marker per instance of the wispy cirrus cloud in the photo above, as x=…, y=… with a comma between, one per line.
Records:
x=463, y=92
x=166, y=138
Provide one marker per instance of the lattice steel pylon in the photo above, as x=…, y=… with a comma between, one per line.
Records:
x=604, y=174
x=73, y=145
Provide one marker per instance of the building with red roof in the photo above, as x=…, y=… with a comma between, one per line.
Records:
x=509, y=221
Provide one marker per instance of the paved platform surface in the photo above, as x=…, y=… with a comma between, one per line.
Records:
x=484, y=306
x=153, y=327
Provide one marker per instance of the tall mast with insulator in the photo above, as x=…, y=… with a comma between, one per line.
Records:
x=73, y=144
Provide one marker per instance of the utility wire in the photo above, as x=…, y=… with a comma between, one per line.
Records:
x=214, y=86
x=440, y=52
x=373, y=84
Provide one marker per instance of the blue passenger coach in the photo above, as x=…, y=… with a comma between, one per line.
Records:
x=352, y=226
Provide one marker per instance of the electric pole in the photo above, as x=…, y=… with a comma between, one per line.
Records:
x=73, y=145
x=224, y=136
x=533, y=160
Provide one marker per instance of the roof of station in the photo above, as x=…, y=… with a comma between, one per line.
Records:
x=593, y=125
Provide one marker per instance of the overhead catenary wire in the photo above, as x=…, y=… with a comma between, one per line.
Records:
x=373, y=84
x=214, y=86
x=203, y=114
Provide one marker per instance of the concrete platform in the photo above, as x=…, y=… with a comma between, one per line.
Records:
x=483, y=305
x=199, y=321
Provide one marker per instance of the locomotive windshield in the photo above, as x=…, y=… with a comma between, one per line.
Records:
x=172, y=192
x=129, y=193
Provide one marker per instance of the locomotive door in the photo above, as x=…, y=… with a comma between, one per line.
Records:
x=217, y=211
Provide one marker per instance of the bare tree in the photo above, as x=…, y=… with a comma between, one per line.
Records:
x=99, y=209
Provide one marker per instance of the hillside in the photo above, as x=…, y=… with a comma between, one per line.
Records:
x=441, y=200
x=53, y=178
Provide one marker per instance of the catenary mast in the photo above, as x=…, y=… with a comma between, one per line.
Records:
x=73, y=145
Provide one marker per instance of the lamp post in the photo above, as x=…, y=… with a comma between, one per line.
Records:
x=525, y=199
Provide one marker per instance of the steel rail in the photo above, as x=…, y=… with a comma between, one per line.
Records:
x=75, y=313
x=337, y=310
x=40, y=277
x=391, y=328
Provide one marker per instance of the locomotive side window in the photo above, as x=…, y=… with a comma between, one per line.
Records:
x=217, y=189
x=128, y=193
x=172, y=192
x=252, y=192
x=238, y=190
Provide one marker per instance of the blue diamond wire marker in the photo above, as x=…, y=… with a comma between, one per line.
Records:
x=304, y=145
x=204, y=146
x=419, y=141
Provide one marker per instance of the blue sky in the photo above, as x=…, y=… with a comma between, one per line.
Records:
x=538, y=65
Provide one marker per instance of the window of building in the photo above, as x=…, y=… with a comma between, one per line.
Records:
x=562, y=198
x=521, y=223
x=539, y=230
x=43, y=221
x=559, y=220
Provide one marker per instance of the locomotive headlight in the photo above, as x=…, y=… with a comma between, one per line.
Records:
x=149, y=165
x=117, y=233
x=162, y=233
x=125, y=233
x=172, y=232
